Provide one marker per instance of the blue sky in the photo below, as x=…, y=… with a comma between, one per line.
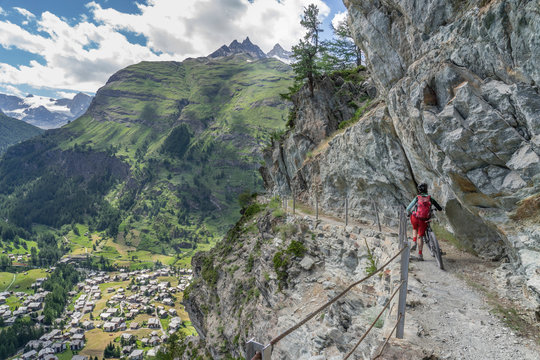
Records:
x=56, y=48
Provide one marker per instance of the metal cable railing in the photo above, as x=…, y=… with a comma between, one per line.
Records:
x=374, y=322
x=388, y=337
x=327, y=304
x=260, y=352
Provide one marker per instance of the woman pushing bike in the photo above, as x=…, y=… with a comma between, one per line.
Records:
x=420, y=211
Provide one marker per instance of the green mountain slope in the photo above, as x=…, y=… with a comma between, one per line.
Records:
x=13, y=131
x=160, y=157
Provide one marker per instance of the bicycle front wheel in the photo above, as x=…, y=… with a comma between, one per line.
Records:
x=436, y=249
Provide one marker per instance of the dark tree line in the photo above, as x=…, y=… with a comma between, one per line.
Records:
x=112, y=351
x=59, y=284
x=16, y=336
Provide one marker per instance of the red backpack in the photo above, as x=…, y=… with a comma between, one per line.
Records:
x=423, y=207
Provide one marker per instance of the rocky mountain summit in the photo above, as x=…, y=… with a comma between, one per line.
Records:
x=280, y=53
x=246, y=47
x=46, y=113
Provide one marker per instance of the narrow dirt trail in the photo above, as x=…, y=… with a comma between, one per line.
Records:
x=12, y=281
x=448, y=319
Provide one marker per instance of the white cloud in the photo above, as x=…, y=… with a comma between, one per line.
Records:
x=12, y=90
x=197, y=28
x=83, y=56
x=27, y=14
x=2, y=11
x=65, y=94
x=339, y=18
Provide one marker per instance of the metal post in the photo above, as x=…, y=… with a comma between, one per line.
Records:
x=401, y=223
x=317, y=208
x=377, y=214
x=252, y=347
x=294, y=203
x=346, y=211
x=267, y=352
x=404, y=277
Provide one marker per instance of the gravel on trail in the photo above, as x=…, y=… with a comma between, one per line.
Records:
x=448, y=319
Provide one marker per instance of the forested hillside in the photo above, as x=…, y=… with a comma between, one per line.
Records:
x=13, y=131
x=160, y=157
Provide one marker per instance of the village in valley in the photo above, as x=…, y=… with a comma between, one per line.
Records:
x=132, y=313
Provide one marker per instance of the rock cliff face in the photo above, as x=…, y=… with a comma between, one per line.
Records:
x=458, y=107
x=272, y=270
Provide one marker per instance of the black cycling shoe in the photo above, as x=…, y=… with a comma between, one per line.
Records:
x=414, y=246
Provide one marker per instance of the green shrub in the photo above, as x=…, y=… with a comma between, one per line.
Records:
x=357, y=115
x=372, y=261
x=249, y=263
x=278, y=213
x=282, y=260
x=253, y=209
x=277, y=135
x=296, y=248
x=208, y=272
x=275, y=203
x=353, y=75
x=287, y=230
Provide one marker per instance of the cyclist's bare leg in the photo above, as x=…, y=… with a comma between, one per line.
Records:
x=420, y=244
x=415, y=234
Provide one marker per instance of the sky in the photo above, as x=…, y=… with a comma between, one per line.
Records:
x=57, y=48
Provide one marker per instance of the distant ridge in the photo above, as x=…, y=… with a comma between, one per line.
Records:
x=43, y=112
x=246, y=47
x=13, y=131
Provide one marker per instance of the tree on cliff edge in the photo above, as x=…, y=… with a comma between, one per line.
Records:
x=341, y=52
x=306, y=51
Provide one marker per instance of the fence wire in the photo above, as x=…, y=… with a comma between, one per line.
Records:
x=324, y=306
x=374, y=322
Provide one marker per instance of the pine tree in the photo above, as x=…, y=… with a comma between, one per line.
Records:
x=341, y=52
x=306, y=51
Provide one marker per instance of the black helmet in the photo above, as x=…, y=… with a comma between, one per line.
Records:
x=422, y=188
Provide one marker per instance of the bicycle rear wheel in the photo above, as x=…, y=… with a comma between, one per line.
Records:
x=436, y=249
x=428, y=243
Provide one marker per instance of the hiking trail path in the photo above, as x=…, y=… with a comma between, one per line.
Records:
x=446, y=318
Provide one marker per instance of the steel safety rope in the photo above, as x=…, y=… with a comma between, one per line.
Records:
x=374, y=322
x=388, y=337
x=321, y=308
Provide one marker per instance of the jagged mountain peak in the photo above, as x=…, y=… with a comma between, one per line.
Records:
x=245, y=47
x=278, y=52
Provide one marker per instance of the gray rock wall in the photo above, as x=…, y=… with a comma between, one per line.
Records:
x=460, y=82
x=459, y=108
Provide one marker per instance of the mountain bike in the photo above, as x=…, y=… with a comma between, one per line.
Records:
x=433, y=245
